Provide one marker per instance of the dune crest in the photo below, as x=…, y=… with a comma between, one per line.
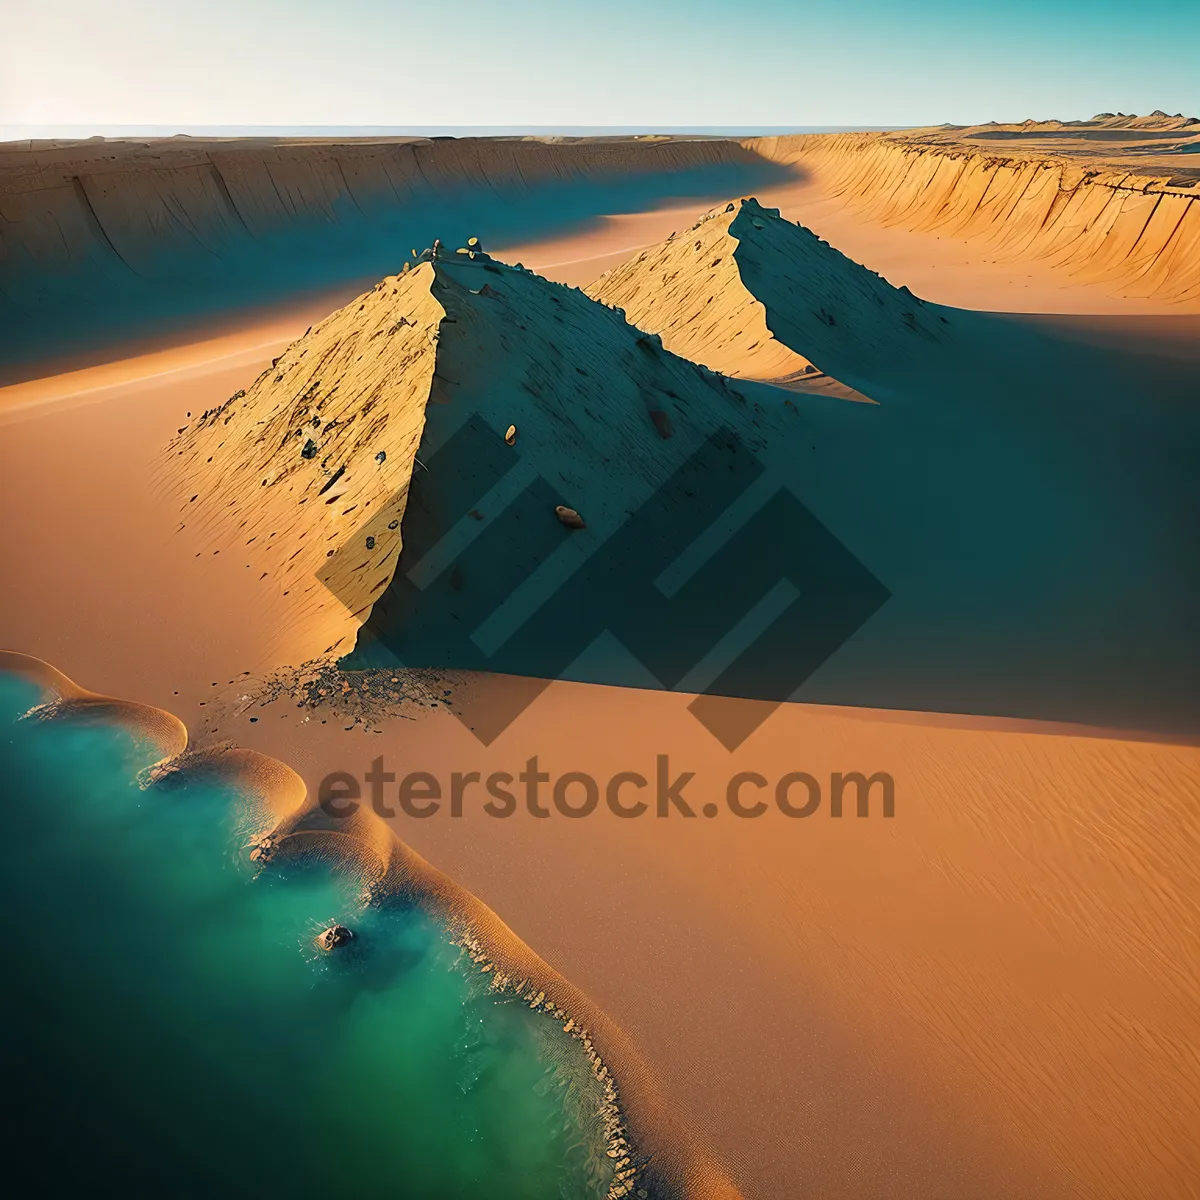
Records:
x=311, y=468
x=751, y=295
x=322, y=446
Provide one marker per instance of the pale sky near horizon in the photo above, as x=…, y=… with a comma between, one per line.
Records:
x=620, y=62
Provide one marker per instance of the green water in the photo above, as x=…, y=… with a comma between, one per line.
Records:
x=170, y=1030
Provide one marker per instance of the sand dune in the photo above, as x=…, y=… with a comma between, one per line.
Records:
x=384, y=426
x=751, y=295
x=417, y=382
x=324, y=428
x=1130, y=223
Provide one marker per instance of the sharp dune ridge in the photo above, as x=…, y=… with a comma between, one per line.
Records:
x=334, y=425
x=751, y=295
x=653, y=1154
x=1132, y=229
x=320, y=475
x=310, y=468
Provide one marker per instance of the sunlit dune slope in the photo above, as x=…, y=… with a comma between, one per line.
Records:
x=309, y=471
x=320, y=445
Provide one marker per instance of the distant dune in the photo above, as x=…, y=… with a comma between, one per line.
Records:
x=1108, y=202
x=751, y=295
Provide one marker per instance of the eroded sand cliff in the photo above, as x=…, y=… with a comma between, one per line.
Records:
x=1122, y=211
x=104, y=238
x=105, y=241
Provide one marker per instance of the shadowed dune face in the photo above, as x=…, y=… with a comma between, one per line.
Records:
x=754, y=296
x=527, y=398
x=1104, y=214
x=104, y=242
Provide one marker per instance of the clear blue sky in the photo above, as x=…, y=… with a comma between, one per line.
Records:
x=607, y=62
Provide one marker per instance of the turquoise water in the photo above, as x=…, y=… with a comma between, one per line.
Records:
x=169, y=1029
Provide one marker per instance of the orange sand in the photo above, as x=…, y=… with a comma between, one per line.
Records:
x=992, y=994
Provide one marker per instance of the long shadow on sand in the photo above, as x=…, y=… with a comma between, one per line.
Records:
x=1009, y=532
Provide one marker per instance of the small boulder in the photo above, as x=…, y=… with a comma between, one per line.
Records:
x=309, y=450
x=510, y=435
x=333, y=938
x=569, y=517
x=263, y=850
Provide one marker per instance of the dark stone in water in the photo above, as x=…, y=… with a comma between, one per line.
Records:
x=334, y=937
